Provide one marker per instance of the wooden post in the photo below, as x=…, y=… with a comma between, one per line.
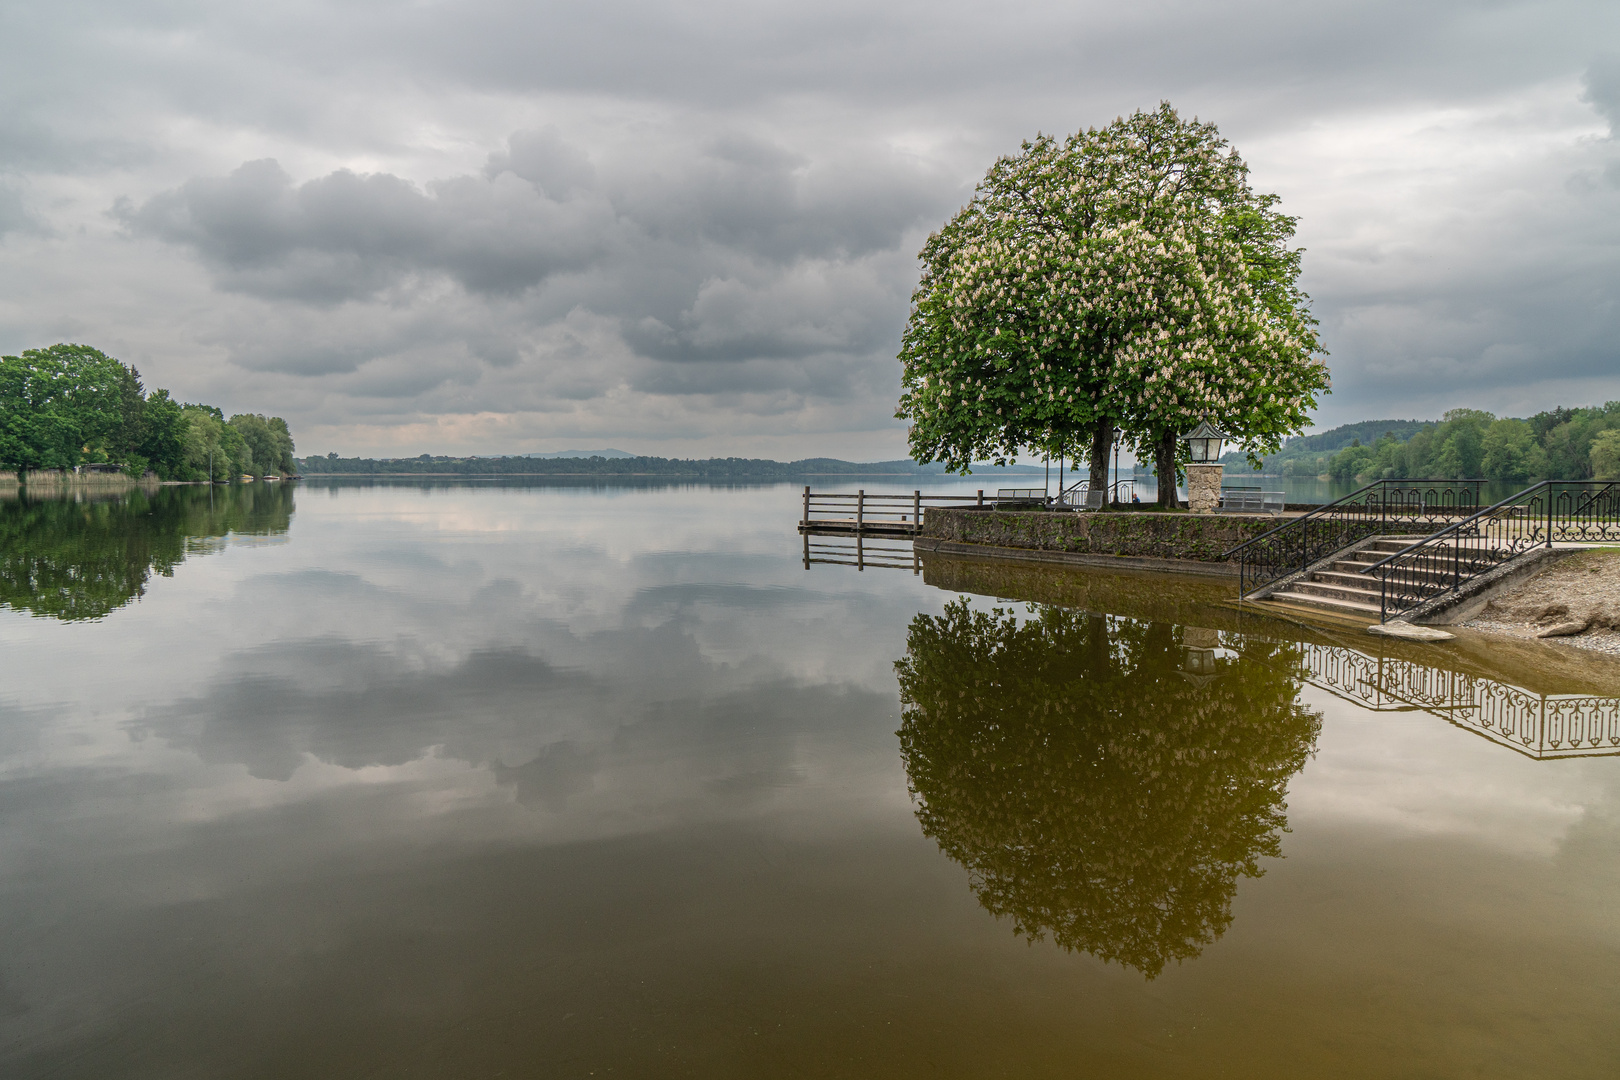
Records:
x=860, y=550
x=806, y=551
x=916, y=511
x=981, y=498
x=860, y=510
x=805, y=520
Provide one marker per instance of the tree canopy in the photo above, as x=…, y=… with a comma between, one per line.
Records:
x=1126, y=280
x=71, y=405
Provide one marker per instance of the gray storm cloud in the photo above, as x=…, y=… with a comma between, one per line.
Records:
x=492, y=226
x=739, y=251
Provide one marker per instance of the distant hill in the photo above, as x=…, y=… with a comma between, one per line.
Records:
x=724, y=469
x=1300, y=453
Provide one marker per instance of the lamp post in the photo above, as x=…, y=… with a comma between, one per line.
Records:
x=1204, y=467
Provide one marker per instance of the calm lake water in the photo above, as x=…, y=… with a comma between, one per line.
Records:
x=430, y=780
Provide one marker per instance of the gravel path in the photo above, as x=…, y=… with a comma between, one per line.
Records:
x=1583, y=589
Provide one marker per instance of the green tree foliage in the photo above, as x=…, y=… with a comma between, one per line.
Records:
x=1094, y=790
x=81, y=560
x=214, y=449
x=63, y=406
x=1126, y=279
x=1606, y=455
x=1556, y=445
x=268, y=442
x=71, y=405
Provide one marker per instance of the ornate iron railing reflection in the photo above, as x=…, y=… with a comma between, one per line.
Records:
x=1537, y=725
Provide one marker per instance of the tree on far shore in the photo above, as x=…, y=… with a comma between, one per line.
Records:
x=72, y=405
x=1125, y=281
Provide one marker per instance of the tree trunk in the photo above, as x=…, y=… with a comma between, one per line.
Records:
x=1164, y=463
x=1102, y=441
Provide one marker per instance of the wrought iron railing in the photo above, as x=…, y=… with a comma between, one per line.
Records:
x=1544, y=513
x=1382, y=507
x=1081, y=495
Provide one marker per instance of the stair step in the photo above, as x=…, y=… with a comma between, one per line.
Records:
x=1335, y=592
x=1347, y=584
x=1378, y=553
x=1344, y=569
x=1346, y=580
x=1327, y=602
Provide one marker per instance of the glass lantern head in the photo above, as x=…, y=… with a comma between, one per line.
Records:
x=1204, y=443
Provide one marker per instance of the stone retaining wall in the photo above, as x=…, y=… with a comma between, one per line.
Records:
x=1198, y=537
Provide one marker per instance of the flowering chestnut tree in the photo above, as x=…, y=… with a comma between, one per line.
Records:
x=1125, y=281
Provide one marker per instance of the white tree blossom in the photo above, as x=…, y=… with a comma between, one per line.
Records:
x=1126, y=279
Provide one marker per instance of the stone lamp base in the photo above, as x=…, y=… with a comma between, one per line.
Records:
x=1203, y=488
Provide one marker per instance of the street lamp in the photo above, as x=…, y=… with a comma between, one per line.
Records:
x=1204, y=443
x=1204, y=467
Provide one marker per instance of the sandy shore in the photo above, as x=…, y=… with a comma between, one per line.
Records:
x=1578, y=598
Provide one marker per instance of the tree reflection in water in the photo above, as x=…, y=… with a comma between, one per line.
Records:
x=1097, y=785
x=76, y=559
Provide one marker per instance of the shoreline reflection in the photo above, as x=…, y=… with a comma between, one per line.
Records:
x=78, y=559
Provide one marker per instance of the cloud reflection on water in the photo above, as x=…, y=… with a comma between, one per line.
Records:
x=413, y=776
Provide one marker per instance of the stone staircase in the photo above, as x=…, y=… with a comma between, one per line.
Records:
x=1343, y=585
x=1315, y=559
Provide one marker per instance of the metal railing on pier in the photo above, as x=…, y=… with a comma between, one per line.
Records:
x=1540, y=515
x=1416, y=507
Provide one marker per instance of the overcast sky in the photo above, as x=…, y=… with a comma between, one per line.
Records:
x=692, y=228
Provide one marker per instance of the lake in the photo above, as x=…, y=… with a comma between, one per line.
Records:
x=423, y=779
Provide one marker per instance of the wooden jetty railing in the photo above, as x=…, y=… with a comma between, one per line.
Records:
x=879, y=515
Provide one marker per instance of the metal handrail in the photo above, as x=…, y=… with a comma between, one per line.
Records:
x=1594, y=496
x=1440, y=534
x=1419, y=571
x=1307, y=516
x=1294, y=545
x=1079, y=486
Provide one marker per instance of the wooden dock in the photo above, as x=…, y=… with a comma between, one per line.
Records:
x=861, y=514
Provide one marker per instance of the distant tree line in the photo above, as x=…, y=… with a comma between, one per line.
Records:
x=730, y=468
x=1309, y=455
x=72, y=405
x=1560, y=444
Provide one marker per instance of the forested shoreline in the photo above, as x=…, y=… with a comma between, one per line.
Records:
x=1558, y=444
x=729, y=468
x=71, y=406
